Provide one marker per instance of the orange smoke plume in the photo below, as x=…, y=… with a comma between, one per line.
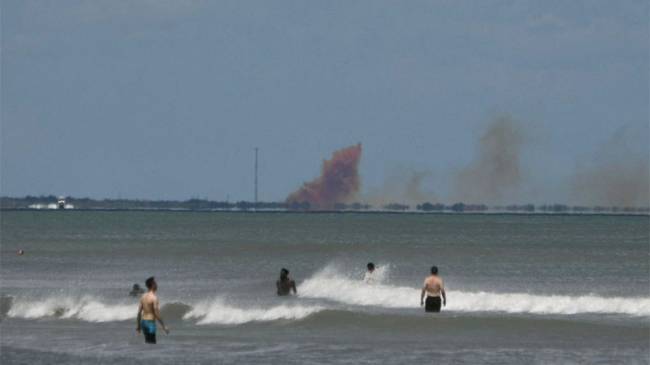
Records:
x=338, y=182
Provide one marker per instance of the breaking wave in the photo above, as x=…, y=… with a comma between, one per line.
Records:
x=328, y=289
x=217, y=312
x=86, y=308
x=329, y=284
x=91, y=309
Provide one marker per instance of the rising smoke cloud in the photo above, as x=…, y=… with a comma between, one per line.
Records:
x=339, y=181
x=617, y=175
x=496, y=170
x=404, y=186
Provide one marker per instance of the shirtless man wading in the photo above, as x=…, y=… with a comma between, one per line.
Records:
x=433, y=288
x=149, y=312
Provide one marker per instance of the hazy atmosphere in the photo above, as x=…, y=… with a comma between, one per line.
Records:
x=487, y=102
x=324, y=182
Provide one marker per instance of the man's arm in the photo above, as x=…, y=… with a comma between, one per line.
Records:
x=158, y=317
x=139, y=317
x=442, y=291
x=424, y=288
x=293, y=286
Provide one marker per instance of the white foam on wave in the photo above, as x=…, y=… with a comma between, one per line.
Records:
x=548, y=304
x=330, y=284
x=218, y=312
x=86, y=308
x=333, y=285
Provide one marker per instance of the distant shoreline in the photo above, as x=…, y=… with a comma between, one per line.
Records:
x=53, y=203
x=370, y=212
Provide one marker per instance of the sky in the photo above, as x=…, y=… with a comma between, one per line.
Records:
x=168, y=99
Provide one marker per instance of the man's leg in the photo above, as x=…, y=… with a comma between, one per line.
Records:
x=149, y=331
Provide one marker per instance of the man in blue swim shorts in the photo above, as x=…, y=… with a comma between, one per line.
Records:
x=149, y=312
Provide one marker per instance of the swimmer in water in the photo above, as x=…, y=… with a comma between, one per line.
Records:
x=369, y=277
x=20, y=252
x=433, y=288
x=137, y=290
x=149, y=312
x=285, y=284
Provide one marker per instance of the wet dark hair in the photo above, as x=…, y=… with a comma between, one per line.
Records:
x=284, y=272
x=434, y=270
x=149, y=282
x=371, y=266
x=136, y=286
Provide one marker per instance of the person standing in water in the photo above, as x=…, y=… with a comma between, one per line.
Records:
x=285, y=284
x=137, y=290
x=369, y=277
x=434, y=288
x=149, y=312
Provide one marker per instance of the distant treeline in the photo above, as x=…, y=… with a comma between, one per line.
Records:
x=207, y=205
x=88, y=203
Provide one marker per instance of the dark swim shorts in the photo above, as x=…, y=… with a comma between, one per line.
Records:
x=149, y=330
x=432, y=304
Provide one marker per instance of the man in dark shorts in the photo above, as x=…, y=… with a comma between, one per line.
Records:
x=149, y=312
x=285, y=284
x=434, y=288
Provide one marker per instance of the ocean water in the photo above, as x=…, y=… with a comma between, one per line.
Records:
x=521, y=289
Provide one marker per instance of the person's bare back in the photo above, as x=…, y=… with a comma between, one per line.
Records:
x=433, y=285
x=433, y=288
x=149, y=312
x=148, y=303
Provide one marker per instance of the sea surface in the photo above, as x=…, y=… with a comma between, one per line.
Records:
x=521, y=288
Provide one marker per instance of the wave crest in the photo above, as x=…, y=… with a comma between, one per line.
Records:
x=86, y=308
x=217, y=312
x=329, y=284
x=327, y=288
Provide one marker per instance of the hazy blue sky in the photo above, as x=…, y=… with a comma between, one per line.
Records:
x=167, y=99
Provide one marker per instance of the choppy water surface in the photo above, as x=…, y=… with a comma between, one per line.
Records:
x=522, y=289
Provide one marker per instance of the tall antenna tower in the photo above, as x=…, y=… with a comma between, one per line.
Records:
x=256, y=177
